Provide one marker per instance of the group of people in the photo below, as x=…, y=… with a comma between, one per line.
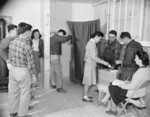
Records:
x=133, y=68
x=22, y=50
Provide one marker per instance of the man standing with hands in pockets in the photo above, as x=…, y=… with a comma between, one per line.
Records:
x=21, y=71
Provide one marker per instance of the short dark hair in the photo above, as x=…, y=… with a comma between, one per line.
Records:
x=125, y=34
x=11, y=27
x=97, y=33
x=144, y=57
x=23, y=27
x=36, y=30
x=113, y=32
x=63, y=31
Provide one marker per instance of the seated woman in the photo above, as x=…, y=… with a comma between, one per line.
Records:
x=119, y=93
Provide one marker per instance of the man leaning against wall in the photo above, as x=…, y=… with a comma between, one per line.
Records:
x=55, y=51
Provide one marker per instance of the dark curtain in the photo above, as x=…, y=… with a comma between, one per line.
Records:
x=81, y=32
x=2, y=28
x=3, y=67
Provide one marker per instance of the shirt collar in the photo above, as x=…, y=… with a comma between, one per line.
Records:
x=93, y=41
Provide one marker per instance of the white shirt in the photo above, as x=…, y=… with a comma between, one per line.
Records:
x=35, y=45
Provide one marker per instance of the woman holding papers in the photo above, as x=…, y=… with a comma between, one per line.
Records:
x=120, y=91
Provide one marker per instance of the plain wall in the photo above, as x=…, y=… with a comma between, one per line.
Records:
x=61, y=12
x=23, y=11
x=31, y=11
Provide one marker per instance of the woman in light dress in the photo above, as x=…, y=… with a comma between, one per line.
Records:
x=91, y=59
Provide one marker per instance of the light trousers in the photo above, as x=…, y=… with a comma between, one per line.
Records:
x=19, y=90
x=56, y=73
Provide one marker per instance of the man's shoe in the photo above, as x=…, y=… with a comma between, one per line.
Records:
x=87, y=100
x=90, y=97
x=53, y=86
x=13, y=114
x=30, y=108
x=61, y=90
x=110, y=112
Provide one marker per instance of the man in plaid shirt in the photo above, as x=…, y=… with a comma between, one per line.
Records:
x=23, y=68
x=113, y=48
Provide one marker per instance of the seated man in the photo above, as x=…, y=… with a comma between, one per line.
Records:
x=119, y=93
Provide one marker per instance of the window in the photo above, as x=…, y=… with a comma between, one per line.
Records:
x=146, y=23
x=127, y=16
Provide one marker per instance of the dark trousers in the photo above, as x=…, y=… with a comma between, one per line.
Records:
x=3, y=69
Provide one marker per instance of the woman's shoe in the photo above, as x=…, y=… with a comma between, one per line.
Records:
x=13, y=114
x=86, y=100
x=110, y=112
x=53, y=86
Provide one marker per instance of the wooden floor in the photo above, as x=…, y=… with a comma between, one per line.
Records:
x=53, y=104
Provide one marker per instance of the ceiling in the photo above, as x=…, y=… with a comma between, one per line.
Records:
x=81, y=1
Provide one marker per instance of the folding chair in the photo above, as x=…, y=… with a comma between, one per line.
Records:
x=128, y=100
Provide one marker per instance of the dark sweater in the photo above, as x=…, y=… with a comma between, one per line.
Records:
x=55, y=43
x=4, y=47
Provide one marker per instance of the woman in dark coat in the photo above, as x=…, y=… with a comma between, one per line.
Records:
x=38, y=50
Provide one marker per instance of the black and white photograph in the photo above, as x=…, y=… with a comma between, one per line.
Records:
x=74, y=58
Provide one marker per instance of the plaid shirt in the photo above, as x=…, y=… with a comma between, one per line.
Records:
x=55, y=43
x=112, y=52
x=21, y=54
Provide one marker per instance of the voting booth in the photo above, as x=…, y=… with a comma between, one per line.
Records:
x=105, y=76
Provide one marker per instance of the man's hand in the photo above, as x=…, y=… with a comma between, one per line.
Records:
x=9, y=66
x=118, y=62
x=107, y=64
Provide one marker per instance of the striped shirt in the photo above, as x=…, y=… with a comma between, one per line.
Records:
x=21, y=54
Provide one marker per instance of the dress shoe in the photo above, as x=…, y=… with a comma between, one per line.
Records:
x=33, y=97
x=86, y=100
x=90, y=97
x=30, y=108
x=110, y=112
x=13, y=114
x=61, y=90
x=53, y=86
